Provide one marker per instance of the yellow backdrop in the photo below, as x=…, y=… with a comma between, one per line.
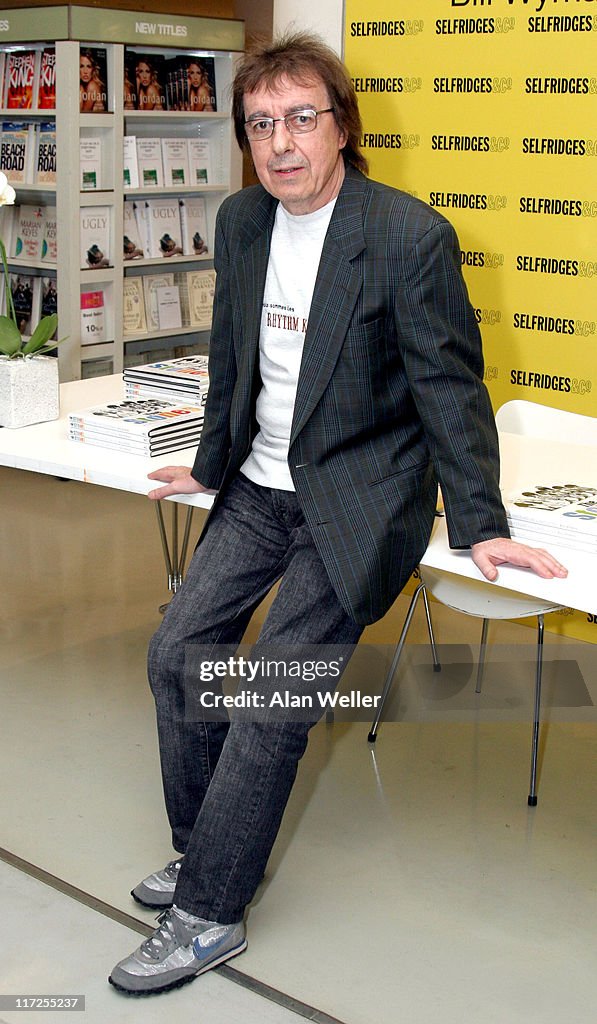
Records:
x=486, y=110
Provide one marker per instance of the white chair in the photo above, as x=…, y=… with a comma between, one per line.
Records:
x=475, y=597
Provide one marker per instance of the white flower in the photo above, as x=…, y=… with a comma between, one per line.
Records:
x=7, y=192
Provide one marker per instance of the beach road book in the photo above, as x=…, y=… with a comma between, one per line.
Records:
x=145, y=426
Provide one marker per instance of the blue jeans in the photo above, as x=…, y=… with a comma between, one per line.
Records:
x=226, y=784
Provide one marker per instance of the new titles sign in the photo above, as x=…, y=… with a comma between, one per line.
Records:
x=487, y=111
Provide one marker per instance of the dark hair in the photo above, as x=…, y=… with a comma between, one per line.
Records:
x=302, y=57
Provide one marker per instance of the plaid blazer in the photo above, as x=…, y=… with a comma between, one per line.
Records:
x=390, y=396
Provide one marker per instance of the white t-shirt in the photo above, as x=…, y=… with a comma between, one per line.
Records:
x=291, y=272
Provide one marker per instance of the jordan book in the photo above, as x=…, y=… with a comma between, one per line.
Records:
x=49, y=298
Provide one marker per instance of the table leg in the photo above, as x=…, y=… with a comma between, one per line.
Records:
x=175, y=554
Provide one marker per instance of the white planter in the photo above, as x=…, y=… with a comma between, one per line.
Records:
x=29, y=390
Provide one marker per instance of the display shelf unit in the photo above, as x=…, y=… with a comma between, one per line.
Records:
x=69, y=28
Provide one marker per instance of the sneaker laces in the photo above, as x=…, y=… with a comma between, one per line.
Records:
x=171, y=934
x=171, y=870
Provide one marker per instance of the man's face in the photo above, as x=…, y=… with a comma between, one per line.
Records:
x=303, y=171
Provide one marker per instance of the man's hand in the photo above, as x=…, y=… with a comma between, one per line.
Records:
x=488, y=554
x=178, y=481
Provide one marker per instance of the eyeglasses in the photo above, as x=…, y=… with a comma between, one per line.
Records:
x=299, y=122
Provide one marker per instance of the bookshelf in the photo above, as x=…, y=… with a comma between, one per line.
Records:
x=119, y=34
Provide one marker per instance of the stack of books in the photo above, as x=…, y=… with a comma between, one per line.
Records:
x=560, y=514
x=173, y=380
x=138, y=427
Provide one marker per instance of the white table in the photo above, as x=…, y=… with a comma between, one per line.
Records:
x=526, y=462
x=47, y=448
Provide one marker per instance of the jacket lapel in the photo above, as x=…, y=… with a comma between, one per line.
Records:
x=251, y=271
x=336, y=291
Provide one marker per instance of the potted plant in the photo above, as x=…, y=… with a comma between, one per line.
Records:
x=29, y=386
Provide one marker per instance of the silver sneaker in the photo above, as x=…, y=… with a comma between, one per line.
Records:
x=178, y=951
x=157, y=890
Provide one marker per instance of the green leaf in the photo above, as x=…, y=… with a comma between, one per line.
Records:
x=41, y=335
x=10, y=338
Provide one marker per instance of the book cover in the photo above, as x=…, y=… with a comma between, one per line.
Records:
x=46, y=90
x=175, y=161
x=132, y=241
x=17, y=150
x=95, y=237
x=93, y=317
x=49, y=299
x=193, y=222
x=146, y=418
x=93, y=80
x=26, y=297
x=168, y=306
x=49, y=250
x=90, y=163
x=191, y=83
x=21, y=73
x=133, y=306
x=561, y=510
x=149, y=163
x=144, y=84
x=184, y=372
x=200, y=166
x=164, y=228
x=201, y=287
x=29, y=232
x=151, y=283
x=130, y=168
x=46, y=154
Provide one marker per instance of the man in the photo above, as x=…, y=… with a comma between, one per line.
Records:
x=345, y=379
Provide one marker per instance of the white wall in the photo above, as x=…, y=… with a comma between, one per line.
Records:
x=326, y=17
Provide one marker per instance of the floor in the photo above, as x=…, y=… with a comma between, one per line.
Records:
x=410, y=880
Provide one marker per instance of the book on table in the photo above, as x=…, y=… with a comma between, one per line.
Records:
x=143, y=427
x=185, y=378
x=559, y=513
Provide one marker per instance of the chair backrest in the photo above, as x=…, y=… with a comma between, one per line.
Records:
x=534, y=420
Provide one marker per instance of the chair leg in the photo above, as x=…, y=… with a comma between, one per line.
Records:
x=436, y=663
x=482, y=652
x=390, y=676
x=532, y=801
